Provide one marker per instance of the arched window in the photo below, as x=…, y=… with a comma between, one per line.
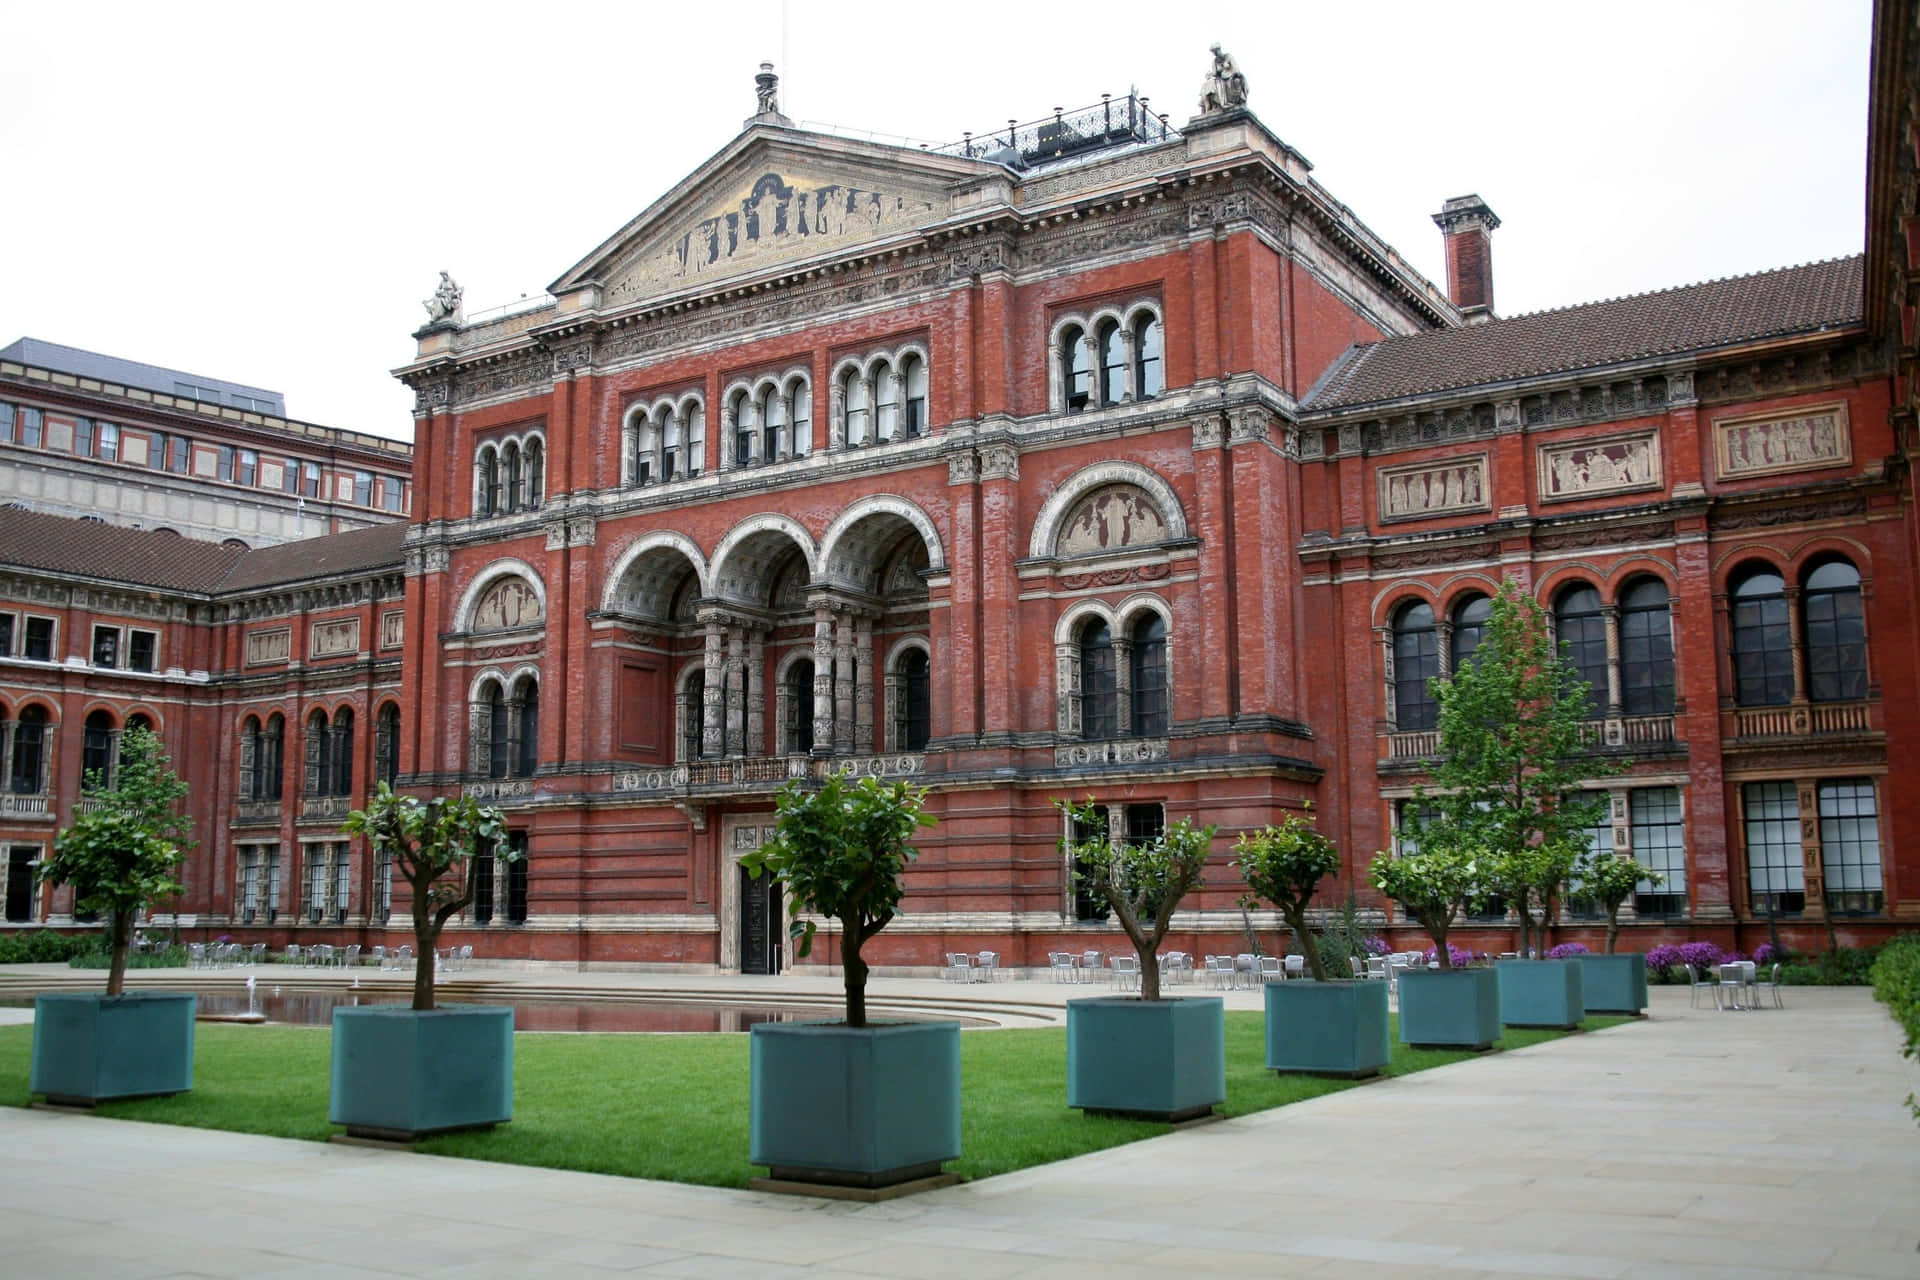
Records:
x=1113, y=364
x=886, y=395
x=499, y=731
x=386, y=745
x=1762, y=640
x=1147, y=676
x=1148, y=358
x=319, y=755
x=1469, y=628
x=343, y=753
x=802, y=418
x=1076, y=368
x=645, y=437
x=1099, y=689
x=97, y=750
x=515, y=478
x=914, y=722
x=271, y=762
x=535, y=464
x=913, y=373
x=858, y=408
x=1582, y=631
x=29, y=752
x=1646, y=649
x=742, y=430
x=773, y=425
x=249, y=788
x=670, y=449
x=527, y=754
x=1836, y=634
x=799, y=725
x=693, y=714
x=137, y=720
x=489, y=481
x=1416, y=661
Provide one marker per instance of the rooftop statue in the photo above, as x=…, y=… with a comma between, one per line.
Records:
x=1225, y=87
x=444, y=306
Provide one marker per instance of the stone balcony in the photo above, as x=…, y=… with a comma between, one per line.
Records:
x=503, y=792
x=13, y=805
x=1803, y=719
x=1616, y=733
x=256, y=813
x=761, y=774
x=324, y=808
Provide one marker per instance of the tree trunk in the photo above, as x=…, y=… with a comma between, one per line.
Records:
x=1439, y=937
x=121, y=923
x=1297, y=921
x=424, y=936
x=1613, y=927
x=854, y=972
x=1149, y=969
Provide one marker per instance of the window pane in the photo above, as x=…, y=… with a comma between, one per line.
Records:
x=225, y=469
x=1850, y=846
x=1099, y=690
x=1469, y=628
x=1416, y=661
x=1113, y=365
x=1148, y=677
x=140, y=650
x=363, y=488
x=1646, y=652
x=1773, y=847
x=109, y=442
x=39, y=640
x=1076, y=365
x=106, y=646
x=1583, y=641
x=6, y=423
x=1836, y=636
x=1659, y=844
x=249, y=467
x=30, y=428
x=1147, y=361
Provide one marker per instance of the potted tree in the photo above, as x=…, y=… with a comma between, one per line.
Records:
x=1324, y=1027
x=865, y=1109
x=400, y=1074
x=1152, y=1057
x=120, y=854
x=1435, y=874
x=1614, y=983
x=1538, y=990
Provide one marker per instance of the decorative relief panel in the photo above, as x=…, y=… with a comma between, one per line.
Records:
x=273, y=645
x=393, y=628
x=1814, y=437
x=507, y=604
x=331, y=639
x=1107, y=519
x=1430, y=489
x=1584, y=468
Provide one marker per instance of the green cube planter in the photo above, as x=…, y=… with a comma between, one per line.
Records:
x=854, y=1106
x=1614, y=984
x=1160, y=1059
x=1541, y=993
x=400, y=1075
x=1327, y=1028
x=1449, y=1008
x=89, y=1047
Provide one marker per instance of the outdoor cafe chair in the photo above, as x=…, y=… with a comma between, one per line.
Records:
x=1060, y=966
x=1126, y=972
x=1376, y=967
x=988, y=965
x=1093, y=966
x=1773, y=984
x=350, y=957
x=1296, y=966
x=1733, y=986
x=959, y=967
x=1246, y=969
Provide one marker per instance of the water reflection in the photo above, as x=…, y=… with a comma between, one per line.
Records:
x=315, y=1008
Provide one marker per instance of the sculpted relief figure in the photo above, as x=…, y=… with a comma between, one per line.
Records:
x=444, y=305
x=1120, y=516
x=1224, y=87
x=509, y=603
x=1415, y=493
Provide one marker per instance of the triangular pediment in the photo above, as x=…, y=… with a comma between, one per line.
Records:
x=771, y=197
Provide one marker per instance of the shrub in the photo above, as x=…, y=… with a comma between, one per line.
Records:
x=1458, y=957
x=44, y=946
x=1375, y=945
x=1896, y=984
x=1764, y=954
x=1567, y=950
x=171, y=958
x=1702, y=955
x=1661, y=962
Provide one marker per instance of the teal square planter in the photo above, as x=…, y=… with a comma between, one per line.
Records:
x=1159, y=1059
x=89, y=1047
x=1327, y=1028
x=1449, y=1008
x=1614, y=984
x=1541, y=993
x=854, y=1106
x=401, y=1075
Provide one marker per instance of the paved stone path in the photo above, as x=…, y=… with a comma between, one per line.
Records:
x=1694, y=1144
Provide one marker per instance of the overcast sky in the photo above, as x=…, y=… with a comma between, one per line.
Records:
x=264, y=193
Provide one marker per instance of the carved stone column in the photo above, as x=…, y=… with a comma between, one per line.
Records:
x=713, y=710
x=897, y=386
x=1066, y=683
x=729, y=431
x=1610, y=616
x=1797, y=627
x=836, y=415
x=755, y=674
x=1126, y=357
x=1122, y=687
x=894, y=713
x=822, y=680
x=863, y=686
x=843, y=695
x=736, y=692
x=1391, y=716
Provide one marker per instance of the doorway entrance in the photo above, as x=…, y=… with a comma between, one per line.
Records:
x=753, y=923
x=760, y=938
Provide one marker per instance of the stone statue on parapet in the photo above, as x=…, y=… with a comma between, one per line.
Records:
x=1225, y=87
x=444, y=306
x=766, y=87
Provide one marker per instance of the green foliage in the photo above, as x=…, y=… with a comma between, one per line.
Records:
x=170, y=958
x=1608, y=879
x=840, y=848
x=1285, y=865
x=44, y=946
x=1840, y=967
x=1896, y=984
x=1142, y=883
x=433, y=846
x=122, y=850
x=1434, y=882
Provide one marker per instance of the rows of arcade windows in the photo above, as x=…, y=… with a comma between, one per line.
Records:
x=511, y=477
x=26, y=740
x=1808, y=643
x=324, y=883
x=1111, y=361
x=506, y=728
x=1113, y=679
x=328, y=754
x=907, y=711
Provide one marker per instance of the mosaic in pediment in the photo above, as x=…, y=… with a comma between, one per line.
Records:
x=507, y=604
x=1109, y=519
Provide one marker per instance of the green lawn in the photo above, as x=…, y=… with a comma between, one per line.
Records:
x=675, y=1106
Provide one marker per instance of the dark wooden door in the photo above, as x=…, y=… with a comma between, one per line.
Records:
x=759, y=923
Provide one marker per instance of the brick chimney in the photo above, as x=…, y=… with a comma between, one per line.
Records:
x=1467, y=224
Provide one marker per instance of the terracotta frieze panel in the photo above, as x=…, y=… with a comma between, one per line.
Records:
x=1817, y=436
x=331, y=639
x=1107, y=519
x=1427, y=489
x=273, y=644
x=1588, y=468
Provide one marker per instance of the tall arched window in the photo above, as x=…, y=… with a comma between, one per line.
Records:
x=527, y=754
x=1076, y=367
x=773, y=425
x=914, y=714
x=693, y=715
x=1762, y=640
x=343, y=753
x=742, y=430
x=913, y=375
x=386, y=746
x=499, y=731
x=1113, y=364
x=886, y=402
x=1099, y=689
x=97, y=749
x=799, y=726
x=1147, y=676
x=1416, y=662
x=515, y=477
x=1582, y=630
x=802, y=418
x=1469, y=628
x=670, y=459
x=138, y=720
x=859, y=410
x=270, y=766
x=535, y=464
x=249, y=788
x=645, y=437
x=489, y=481
x=1646, y=649
x=1836, y=634
x=29, y=752
x=1148, y=358
x=319, y=755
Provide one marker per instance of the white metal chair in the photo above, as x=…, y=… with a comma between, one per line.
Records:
x=1126, y=972
x=1246, y=969
x=350, y=957
x=987, y=965
x=1296, y=966
x=1376, y=967
x=1060, y=966
x=959, y=967
x=1093, y=966
x=1353, y=963
x=1772, y=984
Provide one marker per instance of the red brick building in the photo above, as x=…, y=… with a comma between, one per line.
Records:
x=1103, y=458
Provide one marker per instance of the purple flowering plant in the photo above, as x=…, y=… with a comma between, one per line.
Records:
x=1567, y=950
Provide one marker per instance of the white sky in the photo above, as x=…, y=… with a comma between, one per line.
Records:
x=264, y=192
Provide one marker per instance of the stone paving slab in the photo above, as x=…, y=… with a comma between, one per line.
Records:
x=1693, y=1144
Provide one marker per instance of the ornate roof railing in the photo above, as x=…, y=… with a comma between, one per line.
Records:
x=1110, y=122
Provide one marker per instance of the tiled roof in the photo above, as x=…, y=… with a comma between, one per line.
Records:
x=164, y=560
x=356, y=551
x=138, y=557
x=1697, y=317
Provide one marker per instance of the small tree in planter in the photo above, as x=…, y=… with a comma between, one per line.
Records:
x=1336, y=1028
x=850, y=1103
x=401, y=1074
x=1613, y=983
x=1163, y=1059
x=120, y=854
x=1434, y=881
x=1608, y=879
